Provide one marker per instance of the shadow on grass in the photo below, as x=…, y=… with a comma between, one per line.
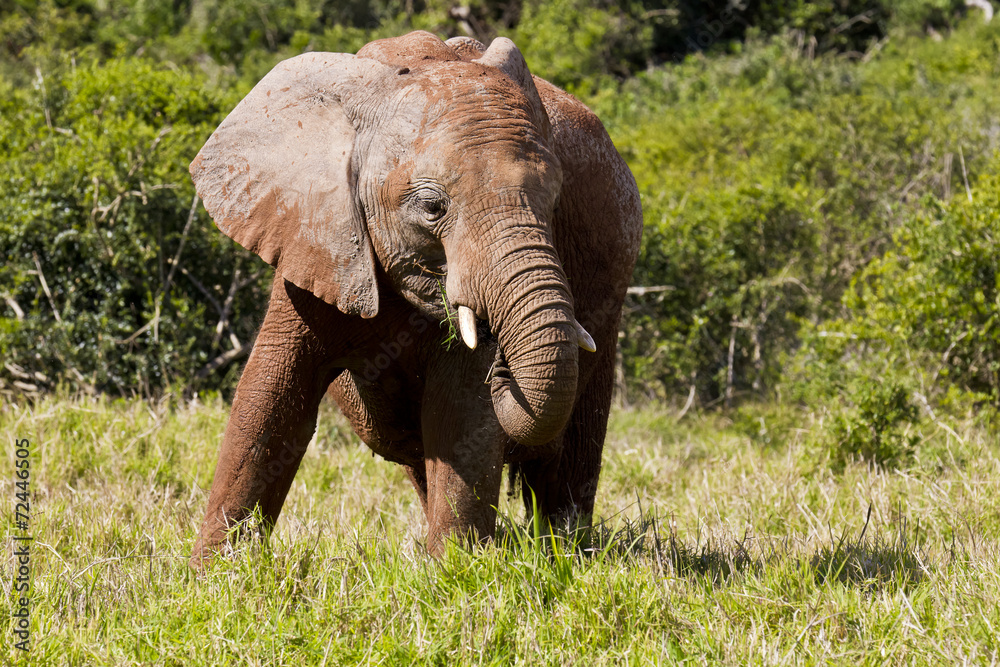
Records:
x=880, y=560
x=877, y=559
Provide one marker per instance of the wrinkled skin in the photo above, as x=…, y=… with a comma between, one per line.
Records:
x=390, y=190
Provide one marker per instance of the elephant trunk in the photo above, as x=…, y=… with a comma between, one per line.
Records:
x=531, y=313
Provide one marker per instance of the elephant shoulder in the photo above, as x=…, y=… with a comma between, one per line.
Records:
x=594, y=173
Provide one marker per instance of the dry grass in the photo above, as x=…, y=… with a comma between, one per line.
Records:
x=716, y=547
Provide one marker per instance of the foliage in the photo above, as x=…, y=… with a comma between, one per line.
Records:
x=938, y=288
x=576, y=44
x=924, y=315
x=871, y=431
x=919, y=327
x=111, y=278
x=780, y=147
x=773, y=179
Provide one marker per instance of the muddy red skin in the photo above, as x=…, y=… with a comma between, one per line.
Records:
x=383, y=187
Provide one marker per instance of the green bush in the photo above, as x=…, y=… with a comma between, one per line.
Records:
x=96, y=204
x=928, y=309
x=875, y=429
x=775, y=164
x=769, y=179
x=938, y=288
x=576, y=44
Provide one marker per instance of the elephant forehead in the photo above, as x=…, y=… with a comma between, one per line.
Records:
x=487, y=122
x=482, y=159
x=455, y=91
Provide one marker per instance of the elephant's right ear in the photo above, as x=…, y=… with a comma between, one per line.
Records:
x=277, y=177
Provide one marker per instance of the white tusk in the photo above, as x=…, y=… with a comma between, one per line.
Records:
x=584, y=339
x=467, y=325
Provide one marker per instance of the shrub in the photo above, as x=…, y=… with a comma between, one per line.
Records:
x=938, y=288
x=874, y=430
x=771, y=179
x=921, y=326
x=97, y=205
x=933, y=299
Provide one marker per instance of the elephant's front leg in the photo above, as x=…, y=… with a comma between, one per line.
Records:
x=463, y=448
x=272, y=420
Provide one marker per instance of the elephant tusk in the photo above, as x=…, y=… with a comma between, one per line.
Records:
x=467, y=325
x=584, y=339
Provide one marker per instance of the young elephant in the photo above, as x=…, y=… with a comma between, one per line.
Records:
x=416, y=183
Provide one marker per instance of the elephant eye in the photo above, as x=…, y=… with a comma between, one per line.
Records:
x=434, y=207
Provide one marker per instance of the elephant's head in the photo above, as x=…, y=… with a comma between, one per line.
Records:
x=434, y=168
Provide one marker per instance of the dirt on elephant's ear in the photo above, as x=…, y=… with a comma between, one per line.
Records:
x=409, y=50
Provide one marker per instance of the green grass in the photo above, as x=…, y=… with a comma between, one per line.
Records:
x=726, y=539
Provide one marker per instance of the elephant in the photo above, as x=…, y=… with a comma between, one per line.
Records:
x=452, y=239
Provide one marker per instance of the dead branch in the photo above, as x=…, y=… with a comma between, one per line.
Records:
x=965, y=175
x=144, y=328
x=224, y=359
x=45, y=287
x=729, y=368
x=204, y=290
x=227, y=305
x=180, y=246
x=21, y=374
x=9, y=300
x=642, y=291
x=688, y=404
x=149, y=151
x=154, y=322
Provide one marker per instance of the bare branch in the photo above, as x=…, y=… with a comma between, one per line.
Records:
x=227, y=305
x=149, y=151
x=9, y=300
x=688, y=404
x=657, y=13
x=204, y=290
x=864, y=17
x=729, y=368
x=224, y=359
x=252, y=278
x=180, y=246
x=965, y=175
x=45, y=287
x=155, y=321
x=144, y=328
x=642, y=291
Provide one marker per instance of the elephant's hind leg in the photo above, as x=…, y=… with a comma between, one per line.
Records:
x=273, y=418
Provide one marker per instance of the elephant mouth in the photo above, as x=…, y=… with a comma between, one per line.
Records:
x=485, y=334
x=499, y=370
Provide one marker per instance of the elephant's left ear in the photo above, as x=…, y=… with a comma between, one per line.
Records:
x=277, y=177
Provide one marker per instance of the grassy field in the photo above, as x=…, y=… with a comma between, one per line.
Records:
x=725, y=540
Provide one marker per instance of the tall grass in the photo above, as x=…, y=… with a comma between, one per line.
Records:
x=723, y=540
